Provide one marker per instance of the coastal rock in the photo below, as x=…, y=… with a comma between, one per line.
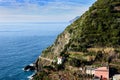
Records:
x=30, y=67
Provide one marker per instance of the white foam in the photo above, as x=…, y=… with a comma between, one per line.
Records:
x=39, y=57
x=31, y=76
x=31, y=64
x=25, y=70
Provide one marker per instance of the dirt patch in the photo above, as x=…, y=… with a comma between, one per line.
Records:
x=117, y=8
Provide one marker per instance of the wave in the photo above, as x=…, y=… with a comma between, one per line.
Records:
x=25, y=70
x=31, y=76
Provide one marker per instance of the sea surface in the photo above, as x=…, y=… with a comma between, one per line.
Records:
x=21, y=44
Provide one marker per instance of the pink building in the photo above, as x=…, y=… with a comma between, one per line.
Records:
x=102, y=73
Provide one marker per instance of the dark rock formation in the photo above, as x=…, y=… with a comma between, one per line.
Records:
x=29, y=67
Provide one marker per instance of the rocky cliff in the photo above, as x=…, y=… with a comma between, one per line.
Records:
x=54, y=50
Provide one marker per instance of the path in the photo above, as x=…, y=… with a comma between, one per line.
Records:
x=46, y=59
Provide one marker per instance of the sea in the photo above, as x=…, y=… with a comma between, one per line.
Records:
x=21, y=43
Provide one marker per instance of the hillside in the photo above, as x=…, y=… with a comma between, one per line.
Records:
x=97, y=27
x=96, y=32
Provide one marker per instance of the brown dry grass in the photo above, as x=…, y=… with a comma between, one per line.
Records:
x=104, y=50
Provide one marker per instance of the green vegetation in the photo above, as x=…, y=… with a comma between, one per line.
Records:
x=98, y=27
x=74, y=62
x=41, y=76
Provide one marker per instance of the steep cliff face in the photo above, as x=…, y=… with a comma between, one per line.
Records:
x=54, y=50
x=97, y=27
x=58, y=46
x=61, y=42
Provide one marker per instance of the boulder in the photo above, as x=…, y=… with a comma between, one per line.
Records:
x=29, y=67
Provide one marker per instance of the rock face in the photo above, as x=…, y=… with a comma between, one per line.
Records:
x=54, y=50
x=60, y=43
x=29, y=67
x=97, y=27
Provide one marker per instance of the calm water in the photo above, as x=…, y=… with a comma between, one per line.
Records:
x=21, y=44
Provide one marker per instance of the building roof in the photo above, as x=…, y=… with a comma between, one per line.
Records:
x=102, y=69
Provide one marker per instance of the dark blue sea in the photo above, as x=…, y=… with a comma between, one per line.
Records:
x=21, y=44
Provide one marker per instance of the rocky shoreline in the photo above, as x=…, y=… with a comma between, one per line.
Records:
x=32, y=67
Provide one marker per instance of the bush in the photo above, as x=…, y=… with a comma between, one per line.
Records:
x=48, y=67
x=59, y=67
x=75, y=62
x=99, y=56
x=41, y=76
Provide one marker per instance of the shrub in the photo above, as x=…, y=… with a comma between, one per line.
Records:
x=74, y=62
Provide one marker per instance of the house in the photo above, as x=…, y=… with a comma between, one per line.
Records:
x=59, y=60
x=90, y=70
x=116, y=77
x=102, y=73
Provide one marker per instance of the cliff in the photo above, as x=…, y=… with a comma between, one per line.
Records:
x=98, y=29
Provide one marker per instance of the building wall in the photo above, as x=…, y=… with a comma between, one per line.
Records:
x=59, y=61
x=91, y=72
x=116, y=77
x=103, y=73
